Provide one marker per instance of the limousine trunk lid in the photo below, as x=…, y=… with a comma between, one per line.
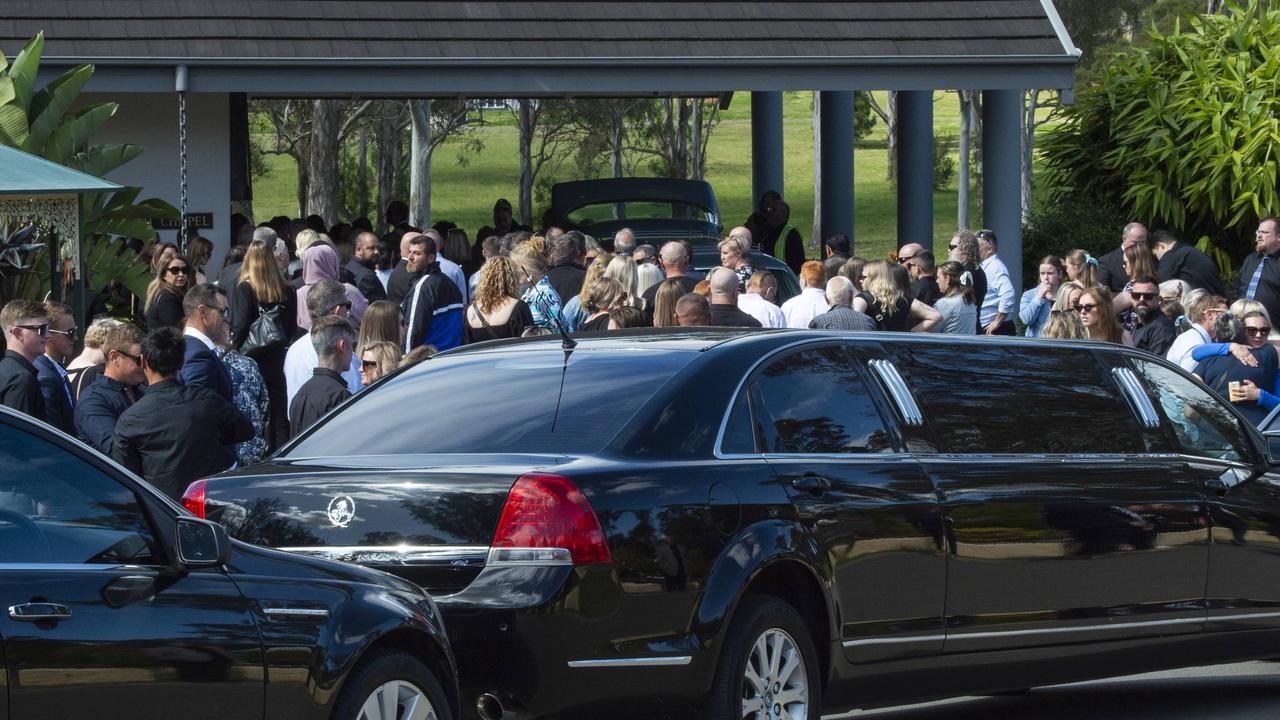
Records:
x=427, y=518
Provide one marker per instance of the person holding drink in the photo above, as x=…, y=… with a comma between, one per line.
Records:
x=1251, y=387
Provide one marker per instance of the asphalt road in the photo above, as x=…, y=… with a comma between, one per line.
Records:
x=1244, y=691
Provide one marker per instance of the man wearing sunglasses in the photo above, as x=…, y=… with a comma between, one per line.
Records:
x=118, y=387
x=1155, y=332
x=59, y=346
x=208, y=319
x=25, y=326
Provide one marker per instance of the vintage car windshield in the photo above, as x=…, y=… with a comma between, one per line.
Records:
x=639, y=210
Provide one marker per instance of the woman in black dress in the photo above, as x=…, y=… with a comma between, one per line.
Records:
x=172, y=280
x=497, y=311
x=261, y=288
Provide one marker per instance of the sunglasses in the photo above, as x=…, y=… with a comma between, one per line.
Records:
x=905, y=259
x=366, y=364
x=137, y=359
x=41, y=329
x=346, y=305
x=1085, y=307
x=64, y=333
x=1143, y=296
x=1257, y=331
x=176, y=270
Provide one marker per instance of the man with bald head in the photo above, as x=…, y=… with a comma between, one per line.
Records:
x=724, y=300
x=363, y=259
x=673, y=258
x=908, y=251
x=401, y=279
x=1111, y=274
x=692, y=311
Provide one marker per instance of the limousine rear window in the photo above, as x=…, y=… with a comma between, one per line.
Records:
x=536, y=402
x=1041, y=400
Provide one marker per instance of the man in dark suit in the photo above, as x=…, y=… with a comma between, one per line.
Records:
x=1177, y=260
x=207, y=323
x=1260, y=272
x=59, y=345
x=364, y=256
x=25, y=326
x=1111, y=274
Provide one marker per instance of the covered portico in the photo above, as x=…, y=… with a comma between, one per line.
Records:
x=213, y=54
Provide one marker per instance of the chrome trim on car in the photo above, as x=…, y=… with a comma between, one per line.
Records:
x=1138, y=399
x=305, y=613
x=667, y=661
x=894, y=640
x=904, y=402
x=457, y=555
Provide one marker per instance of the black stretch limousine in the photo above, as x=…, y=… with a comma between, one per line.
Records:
x=783, y=523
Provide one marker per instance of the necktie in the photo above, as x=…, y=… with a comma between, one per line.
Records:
x=1257, y=278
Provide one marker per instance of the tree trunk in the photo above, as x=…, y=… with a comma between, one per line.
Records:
x=364, y=171
x=527, y=123
x=1031, y=100
x=696, y=159
x=322, y=191
x=962, y=194
x=975, y=144
x=891, y=108
x=682, y=139
x=420, y=163
x=387, y=141
x=817, y=166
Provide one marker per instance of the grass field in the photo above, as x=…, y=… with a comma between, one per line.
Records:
x=465, y=194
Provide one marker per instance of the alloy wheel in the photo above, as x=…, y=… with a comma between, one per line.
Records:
x=397, y=700
x=774, y=685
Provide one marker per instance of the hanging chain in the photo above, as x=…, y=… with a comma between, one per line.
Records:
x=182, y=170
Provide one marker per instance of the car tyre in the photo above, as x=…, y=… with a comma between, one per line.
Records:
x=768, y=666
x=392, y=685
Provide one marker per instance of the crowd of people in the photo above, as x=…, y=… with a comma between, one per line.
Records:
x=234, y=363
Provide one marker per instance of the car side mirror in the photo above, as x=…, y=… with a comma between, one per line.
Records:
x=201, y=543
x=1273, y=447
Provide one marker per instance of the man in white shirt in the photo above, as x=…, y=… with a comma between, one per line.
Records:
x=812, y=300
x=1202, y=314
x=757, y=301
x=327, y=297
x=997, y=305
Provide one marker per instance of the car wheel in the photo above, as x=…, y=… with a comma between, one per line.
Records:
x=392, y=685
x=768, y=666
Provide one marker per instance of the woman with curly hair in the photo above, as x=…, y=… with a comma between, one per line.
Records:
x=963, y=249
x=497, y=310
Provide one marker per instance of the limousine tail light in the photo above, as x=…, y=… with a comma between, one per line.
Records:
x=193, y=498
x=548, y=521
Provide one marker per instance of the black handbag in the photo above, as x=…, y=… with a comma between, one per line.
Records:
x=265, y=333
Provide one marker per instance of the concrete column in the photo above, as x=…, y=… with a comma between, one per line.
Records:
x=1002, y=175
x=915, y=168
x=766, y=145
x=836, y=122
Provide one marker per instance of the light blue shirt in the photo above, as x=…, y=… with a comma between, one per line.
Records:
x=1034, y=311
x=1000, y=295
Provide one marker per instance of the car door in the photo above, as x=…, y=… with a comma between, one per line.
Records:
x=871, y=511
x=1242, y=494
x=98, y=622
x=1064, y=528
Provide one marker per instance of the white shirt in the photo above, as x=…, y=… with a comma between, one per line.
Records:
x=1180, y=350
x=301, y=361
x=803, y=308
x=1000, y=293
x=192, y=332
x=453, y=271
x=767, y=313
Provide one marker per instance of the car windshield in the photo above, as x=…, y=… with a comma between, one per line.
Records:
x=639, y=210
x=528, y=402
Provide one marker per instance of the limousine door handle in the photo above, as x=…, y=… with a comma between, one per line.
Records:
x=1216, y=485
x=38, y=611
x=813, y=484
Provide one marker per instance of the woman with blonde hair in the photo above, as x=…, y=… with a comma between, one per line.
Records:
x=664, y=303
x=377, y=359
x=885, y=303
x=496, y=311
x=647, y=275
x=261, y=293
x=172, y=282
x=161, y=254
x=1099, y=318
x=1063, y=325
x=575, y=311
x=544, y=302
x=604, y=295
x=1068, y=295
x=733, y=257
x=381, y=324
x=1081, y=267
x=623, y=269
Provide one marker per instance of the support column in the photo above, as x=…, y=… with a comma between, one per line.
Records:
x=1002, y=175
x=766, y=145
x=837, y=163
x=915, y=168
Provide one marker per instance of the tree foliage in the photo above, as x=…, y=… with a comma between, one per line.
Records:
x=1183, y=131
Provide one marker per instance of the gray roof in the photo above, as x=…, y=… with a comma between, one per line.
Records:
x=384, y=46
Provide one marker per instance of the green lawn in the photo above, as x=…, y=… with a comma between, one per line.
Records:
x=465, y=193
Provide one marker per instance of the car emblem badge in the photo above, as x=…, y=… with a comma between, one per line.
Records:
x=342, y=510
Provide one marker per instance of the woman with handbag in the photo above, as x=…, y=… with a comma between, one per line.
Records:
x=263, y=311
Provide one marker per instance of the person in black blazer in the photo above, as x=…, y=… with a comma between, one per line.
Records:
x=60, y=343
x=208, y=320
x=361, y=268
x=164, y=307
x=1111, y=274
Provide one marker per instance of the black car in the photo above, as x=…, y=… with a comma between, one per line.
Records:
x=781, y=523
x=122, y=605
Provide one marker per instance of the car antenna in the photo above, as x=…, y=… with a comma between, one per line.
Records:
x=567, y=343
